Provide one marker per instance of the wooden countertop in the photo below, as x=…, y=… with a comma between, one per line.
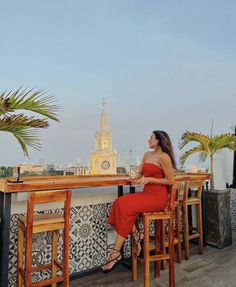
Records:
x=71, y=182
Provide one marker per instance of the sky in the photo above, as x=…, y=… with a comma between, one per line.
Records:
x=168, y=65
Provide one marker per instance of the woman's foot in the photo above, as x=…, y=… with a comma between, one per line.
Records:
x=113, y=260
x=138, y=238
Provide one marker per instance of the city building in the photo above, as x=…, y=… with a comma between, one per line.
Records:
x=31, y=168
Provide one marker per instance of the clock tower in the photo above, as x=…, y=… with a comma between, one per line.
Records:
x=103, y=159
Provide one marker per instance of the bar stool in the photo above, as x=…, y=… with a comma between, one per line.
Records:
x=160, y=254
x=32, y=224
x=189, y=200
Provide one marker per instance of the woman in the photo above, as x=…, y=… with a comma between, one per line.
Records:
x=155, y=173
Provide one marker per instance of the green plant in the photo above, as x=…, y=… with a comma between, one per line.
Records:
x=207, y=146
x=25, y=127
x=5, y=171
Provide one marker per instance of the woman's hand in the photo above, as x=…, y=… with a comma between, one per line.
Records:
x=142, y=181
x=132, y=181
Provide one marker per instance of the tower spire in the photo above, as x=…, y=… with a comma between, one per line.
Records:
x=103, y=105
x=104, y=119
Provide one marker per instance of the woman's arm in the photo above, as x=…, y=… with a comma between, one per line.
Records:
x=166, y=165
x=139, y=173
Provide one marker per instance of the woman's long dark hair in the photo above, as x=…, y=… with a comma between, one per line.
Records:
x=166, y=145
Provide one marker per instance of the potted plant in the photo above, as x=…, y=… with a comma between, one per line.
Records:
x=207, y=146
x=218, y=225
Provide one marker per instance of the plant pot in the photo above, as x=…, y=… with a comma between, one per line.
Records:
x=218, y=221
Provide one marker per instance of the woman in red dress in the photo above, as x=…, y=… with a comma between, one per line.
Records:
x=156, y=172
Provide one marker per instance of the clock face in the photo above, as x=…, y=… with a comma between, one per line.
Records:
x=105, y=164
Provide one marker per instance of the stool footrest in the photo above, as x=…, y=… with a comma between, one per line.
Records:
x=176, y=241
x=48, y=281
x=156, y=216
x=155, y=257
x=193, y=201
x=41, y=267
x=194, y=236
x=159, y=257
x=47, y=266
x=192, y=228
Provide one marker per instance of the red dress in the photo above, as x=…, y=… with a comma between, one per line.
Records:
x=125, y=209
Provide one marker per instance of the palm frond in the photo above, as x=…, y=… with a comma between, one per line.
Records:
x=27, y=138
x=24, y=129
x=193, y=150
x=188, y=137
x=17, y=122
x=231, y=147
x=28, y=99
x=223, y=141
x=203, y=156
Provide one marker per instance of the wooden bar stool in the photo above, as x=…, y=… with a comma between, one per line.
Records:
x=189, y=200
x=158, y=248
x=32, y=224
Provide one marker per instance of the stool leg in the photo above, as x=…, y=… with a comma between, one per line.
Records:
x=178, y=234
x=199, y=227
x=171, y=251
x=146, y=253
x=134, y=259
x=54, y=255
x=163, y=243
x=157, y=247
x=28, y=261
x=186, y=231
x=20, y=256
x=66, y=266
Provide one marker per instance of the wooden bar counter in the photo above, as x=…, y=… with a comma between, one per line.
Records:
x=42, y=183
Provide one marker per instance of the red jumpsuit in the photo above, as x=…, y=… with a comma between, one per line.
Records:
x=125, y=209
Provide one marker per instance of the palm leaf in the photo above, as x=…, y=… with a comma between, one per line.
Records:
x=193, y=150
x=26, y=136
x=223, y=141
x=21, y=121
x=231, y=146
x=203, y=156
x=188, y=137
x=25, y=99
x=24, y=129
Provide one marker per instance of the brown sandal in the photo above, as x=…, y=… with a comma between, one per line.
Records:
x=117, y=260
x=138, y=238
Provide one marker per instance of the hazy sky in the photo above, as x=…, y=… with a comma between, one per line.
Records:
x=167, y=65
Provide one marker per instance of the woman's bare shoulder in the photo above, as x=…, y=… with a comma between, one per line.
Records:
x=147, y=153
x=164, y=156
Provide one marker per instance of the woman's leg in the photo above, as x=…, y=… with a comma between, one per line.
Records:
x=138, y=237
x=135, y=229
x=119, y=242
x=115, y=256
